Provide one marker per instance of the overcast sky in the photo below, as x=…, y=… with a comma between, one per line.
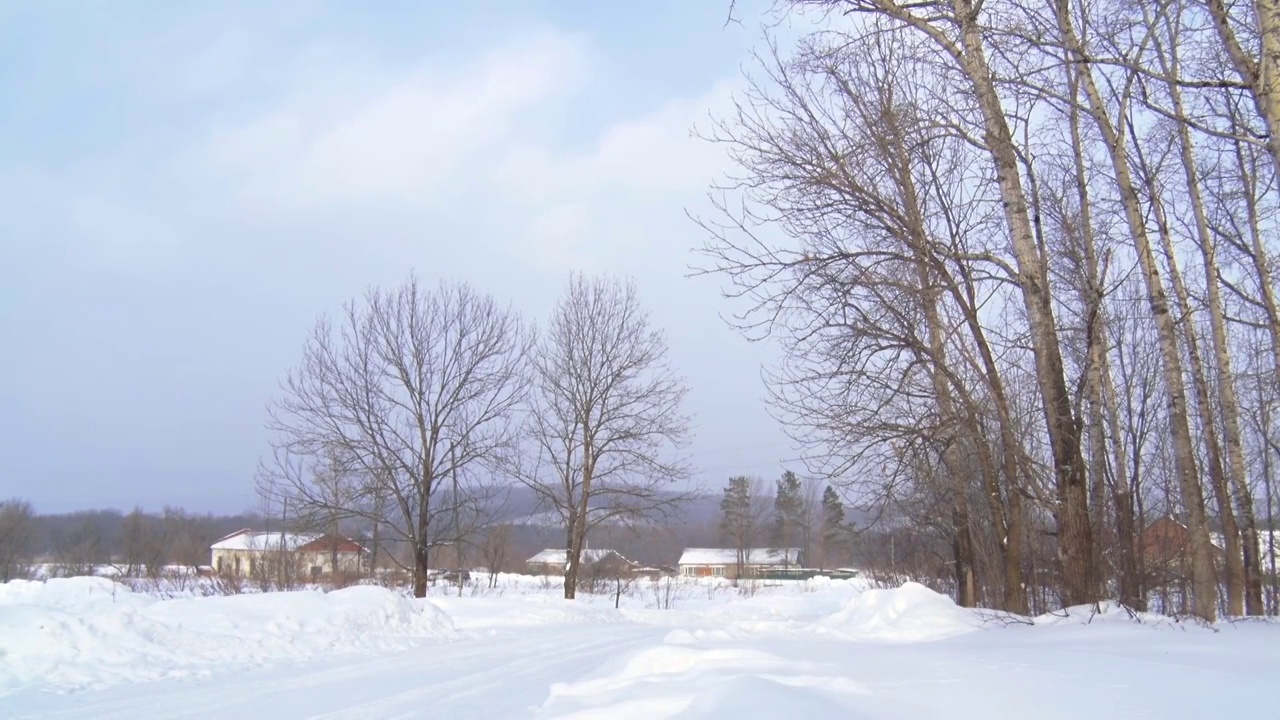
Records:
x=186, y=187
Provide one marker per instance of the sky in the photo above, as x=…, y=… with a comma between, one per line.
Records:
x=186, y=187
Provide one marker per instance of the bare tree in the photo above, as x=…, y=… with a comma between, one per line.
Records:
x=412, y=388
x=186, y=537
x=17, y=536
x=605, y=420
x=493, y=550
x=142, y=544
x=78, y=550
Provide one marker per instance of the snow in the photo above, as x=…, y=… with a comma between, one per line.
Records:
x=676, y=648
x=267, y=541
x=729, y=556
x=561, y=556
x=76, y=633
x=911, y=613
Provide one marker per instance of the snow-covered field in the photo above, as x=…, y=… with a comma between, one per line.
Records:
x=90, y=648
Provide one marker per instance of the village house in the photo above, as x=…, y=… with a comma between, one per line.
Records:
x=723, y=562
x=246, y=553
x=597, y=562
x=1164, y=547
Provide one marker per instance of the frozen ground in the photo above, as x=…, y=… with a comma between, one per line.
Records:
x=85, y=648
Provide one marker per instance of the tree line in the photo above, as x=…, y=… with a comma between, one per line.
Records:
x=804, y=515
x=1020, y=259
x=136, y=543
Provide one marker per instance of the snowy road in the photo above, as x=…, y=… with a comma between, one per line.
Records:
x=500, y=676
x=80, y=649
x=625, y=671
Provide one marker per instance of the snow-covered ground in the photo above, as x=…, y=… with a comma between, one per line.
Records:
x=89, y=648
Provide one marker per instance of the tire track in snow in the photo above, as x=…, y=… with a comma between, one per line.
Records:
x=463, y=678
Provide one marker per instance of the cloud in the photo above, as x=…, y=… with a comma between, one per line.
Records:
x=635, y=178
x=392, y=138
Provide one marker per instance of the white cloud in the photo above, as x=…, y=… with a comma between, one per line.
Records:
x=397, y=139
x=635, y=180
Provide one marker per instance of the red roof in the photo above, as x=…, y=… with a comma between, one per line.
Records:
x=331, y=543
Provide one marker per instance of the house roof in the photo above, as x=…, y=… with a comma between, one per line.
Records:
x=729, y=556
x=247, y=539
x=553, y=556
x=332, y=543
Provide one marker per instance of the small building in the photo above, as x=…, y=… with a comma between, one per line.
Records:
x=595, y=561
x=247, y=553
x=724, y=562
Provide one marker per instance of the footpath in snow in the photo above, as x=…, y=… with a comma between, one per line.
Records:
x=86, y=648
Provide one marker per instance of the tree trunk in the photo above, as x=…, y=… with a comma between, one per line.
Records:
x=1235, y=569
x=955, y=431
x=962, y=544
x=1265, y=422
x=1075, y=538
x=1232, y=435
x=420, y=569
x=1205, y=590
x=1098, y=376
x=573, y=552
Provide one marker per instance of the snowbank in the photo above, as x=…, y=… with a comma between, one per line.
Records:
x=1106, y=613
x=89, y=632
x=911, y=613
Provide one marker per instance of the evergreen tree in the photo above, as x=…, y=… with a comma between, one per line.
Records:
x=788, y=513
x=836, y=534
x=739, y=518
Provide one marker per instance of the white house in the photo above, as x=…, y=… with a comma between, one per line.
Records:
x=555, y=561
x=723, y=562
x=246, y=553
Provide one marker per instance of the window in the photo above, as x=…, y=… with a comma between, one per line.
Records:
x=237, y=566
x=689, y=571
x=720, y=571
x=219, y=564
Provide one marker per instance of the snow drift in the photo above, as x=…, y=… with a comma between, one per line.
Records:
x=89, y=632
x=911, y=613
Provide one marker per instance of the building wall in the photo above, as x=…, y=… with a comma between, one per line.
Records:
x=726, y=571
x=544, y=568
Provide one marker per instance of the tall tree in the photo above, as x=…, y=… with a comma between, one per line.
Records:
x=741, y=519
x=606, y=418
x=1205, y=588
x=412, y=388
x=835, y=533
x=788, y=513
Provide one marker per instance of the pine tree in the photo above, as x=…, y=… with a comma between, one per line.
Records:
x=836, y=534
x=788, y=511
x=739, y=519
